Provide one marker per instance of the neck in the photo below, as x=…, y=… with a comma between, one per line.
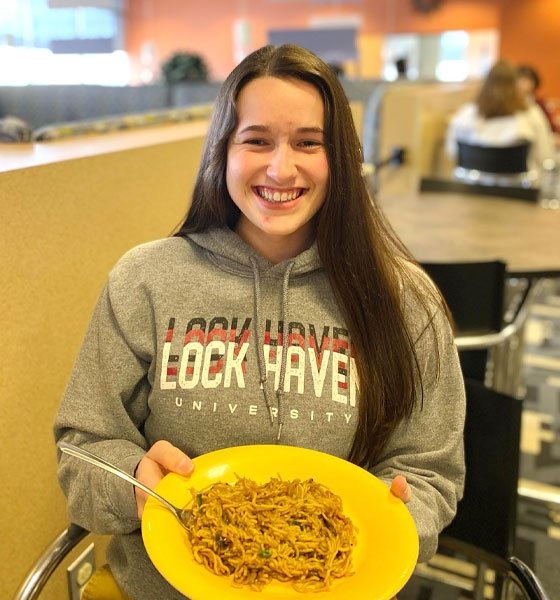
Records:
x=275, y=248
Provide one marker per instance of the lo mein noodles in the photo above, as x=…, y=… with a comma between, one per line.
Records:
x=291, y=531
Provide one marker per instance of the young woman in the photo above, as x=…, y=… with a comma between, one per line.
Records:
x=283, y=311
x=501, y=116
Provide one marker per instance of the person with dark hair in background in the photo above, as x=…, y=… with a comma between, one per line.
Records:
x=528, y=82
x=501, y=116
x=301, y=301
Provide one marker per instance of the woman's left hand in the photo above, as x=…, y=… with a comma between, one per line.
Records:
x=401, y=489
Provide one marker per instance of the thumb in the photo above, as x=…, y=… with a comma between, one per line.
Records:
x=400, y=488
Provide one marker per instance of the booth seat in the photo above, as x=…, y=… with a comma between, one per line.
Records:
x=40, y=105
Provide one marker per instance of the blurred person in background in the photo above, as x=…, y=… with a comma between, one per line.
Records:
x=501, y=116
x=528, y=82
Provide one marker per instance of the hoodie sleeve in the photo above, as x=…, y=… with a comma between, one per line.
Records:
x=428, y=448
x=104, y=408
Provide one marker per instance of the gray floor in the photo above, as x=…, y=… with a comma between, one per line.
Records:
x=538, y=522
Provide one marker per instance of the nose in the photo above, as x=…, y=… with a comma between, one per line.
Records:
x=282, y=164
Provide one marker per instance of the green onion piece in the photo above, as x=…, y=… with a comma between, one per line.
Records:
x=296, y=522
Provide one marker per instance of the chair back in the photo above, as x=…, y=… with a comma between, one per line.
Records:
x=474, y=292
x=486, y=516
x=493, y=159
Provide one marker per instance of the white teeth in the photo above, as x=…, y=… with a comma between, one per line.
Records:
x=277, y=196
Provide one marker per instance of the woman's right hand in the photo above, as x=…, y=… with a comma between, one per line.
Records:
x=161, y=458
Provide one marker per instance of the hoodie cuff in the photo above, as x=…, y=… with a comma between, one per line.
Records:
x=120, y=493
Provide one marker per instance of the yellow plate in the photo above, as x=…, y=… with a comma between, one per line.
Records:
x=387, y=542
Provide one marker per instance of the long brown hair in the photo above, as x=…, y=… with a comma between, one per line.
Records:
x=499, y=95
x=358, y=250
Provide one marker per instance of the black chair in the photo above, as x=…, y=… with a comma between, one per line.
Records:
x=498, y=166
x=489, y=309
x=474, y=292
x=483, y=531
x=487, y=514
x=503, y=160
x=494, y=165
x=501, y=171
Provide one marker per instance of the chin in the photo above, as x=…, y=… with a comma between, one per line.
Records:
x=279, y=231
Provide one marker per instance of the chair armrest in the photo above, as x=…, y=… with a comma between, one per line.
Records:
x=49, y=561
x=512, y=568
x=526, y=579
x=489, y=340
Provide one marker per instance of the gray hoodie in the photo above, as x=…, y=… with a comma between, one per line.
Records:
x=170, y=353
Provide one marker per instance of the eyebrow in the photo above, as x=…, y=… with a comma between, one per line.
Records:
x=265, y=129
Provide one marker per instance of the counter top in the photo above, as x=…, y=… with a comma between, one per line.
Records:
x=23, y=156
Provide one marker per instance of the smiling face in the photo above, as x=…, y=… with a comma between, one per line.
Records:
x=277, y=170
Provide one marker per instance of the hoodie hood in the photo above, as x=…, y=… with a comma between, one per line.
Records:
x=228, y=251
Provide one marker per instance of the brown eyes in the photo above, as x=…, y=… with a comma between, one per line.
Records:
x=305, y=144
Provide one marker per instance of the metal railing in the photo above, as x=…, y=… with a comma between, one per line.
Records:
x=504, y=366
x=49, y=561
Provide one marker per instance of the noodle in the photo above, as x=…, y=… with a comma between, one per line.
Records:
x=291, y=531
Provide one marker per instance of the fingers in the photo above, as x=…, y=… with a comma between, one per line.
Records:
x=170, y=458
x=401, y=489
x=160, y=459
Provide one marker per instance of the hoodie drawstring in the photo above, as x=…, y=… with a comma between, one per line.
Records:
x=257, y=330
x=260, y=343
x=284, y=318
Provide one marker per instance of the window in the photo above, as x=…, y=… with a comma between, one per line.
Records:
x=446, y=56
x=45, y=41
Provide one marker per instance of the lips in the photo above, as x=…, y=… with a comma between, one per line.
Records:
x=278, y=195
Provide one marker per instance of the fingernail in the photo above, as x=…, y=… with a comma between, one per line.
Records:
x=186, y=466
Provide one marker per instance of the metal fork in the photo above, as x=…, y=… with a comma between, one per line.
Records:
x=183, y=515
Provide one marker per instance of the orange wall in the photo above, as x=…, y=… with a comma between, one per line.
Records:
x=529, y=28
x=399, y=16
x=531, y=34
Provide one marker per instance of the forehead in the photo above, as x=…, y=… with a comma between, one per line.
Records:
x=274, y=100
